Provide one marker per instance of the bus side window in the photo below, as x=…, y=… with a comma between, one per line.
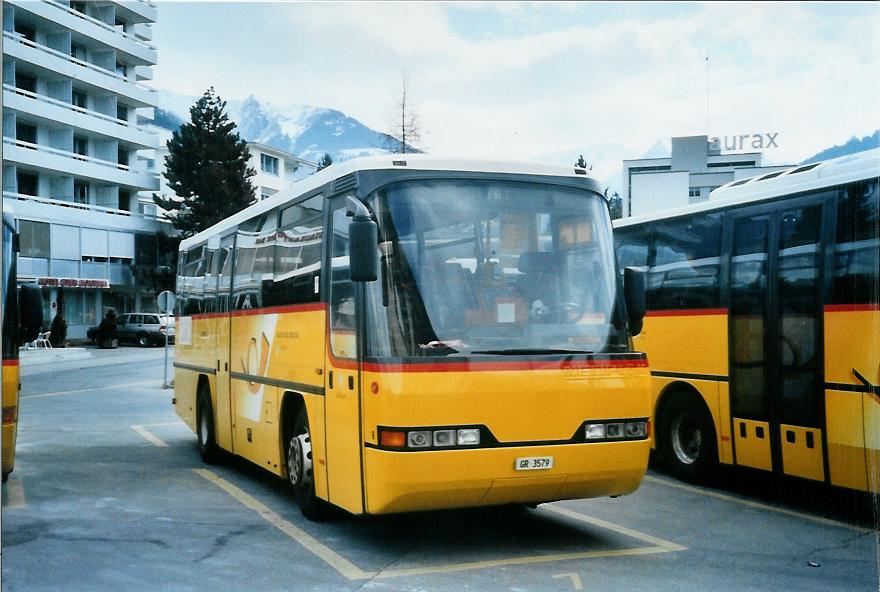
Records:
x=856, y=276
x=297, y=255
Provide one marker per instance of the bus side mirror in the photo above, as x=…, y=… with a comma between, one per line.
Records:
x=634, y=293
x=363, y=237
x=30, y=308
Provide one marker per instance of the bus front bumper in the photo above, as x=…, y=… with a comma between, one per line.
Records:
x=412, y=481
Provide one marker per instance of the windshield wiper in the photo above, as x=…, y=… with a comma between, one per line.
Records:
x=530, y=351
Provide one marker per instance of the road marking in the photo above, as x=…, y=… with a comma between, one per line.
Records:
x=757, y=505
x=91, y=390
x=351, y=571
x=330, y=557
x=575, y=579
x=149, y=436
x=13, y=497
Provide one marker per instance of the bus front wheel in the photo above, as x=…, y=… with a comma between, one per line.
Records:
x=300, y=472
x=687, y=438
x=205, y=439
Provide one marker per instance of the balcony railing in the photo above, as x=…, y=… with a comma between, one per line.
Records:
x=101, y=24
x=47, y=149
x=16, y=37
x=79, y=206
x=75, y=108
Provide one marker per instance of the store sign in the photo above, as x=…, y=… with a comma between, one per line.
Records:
x=51, y=282
x=744, y=142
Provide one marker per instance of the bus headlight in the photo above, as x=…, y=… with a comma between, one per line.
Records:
x=444, y=438
x=636, y=429
x=614, y=430
x=595, y=431
x=418, y=439
x=468, y=437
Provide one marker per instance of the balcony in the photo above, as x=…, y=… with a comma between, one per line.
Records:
x=60, y=211
x=16, y=46
x=53, y=112
x=141, y=11
x=132, y=49
x=54, y=161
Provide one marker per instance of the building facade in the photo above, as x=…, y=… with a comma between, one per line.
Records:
x=72, y=154
x=276, y=169
x=693, y=169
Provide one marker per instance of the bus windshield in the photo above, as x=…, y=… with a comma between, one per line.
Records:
x=475, y=267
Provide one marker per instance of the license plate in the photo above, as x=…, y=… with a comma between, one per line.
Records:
x=534, y=463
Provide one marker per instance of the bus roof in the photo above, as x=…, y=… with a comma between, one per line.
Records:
x=413, y=162
x=796, y=179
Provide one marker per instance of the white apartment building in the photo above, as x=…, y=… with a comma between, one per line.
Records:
x=693, y=169
x=72, y=94
x=276, y=169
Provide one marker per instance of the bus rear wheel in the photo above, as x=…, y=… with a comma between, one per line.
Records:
x=687, y=438
x=300, y=472
x=205, y=438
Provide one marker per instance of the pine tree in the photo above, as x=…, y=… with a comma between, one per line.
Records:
x=207, y=168
x=324, y=162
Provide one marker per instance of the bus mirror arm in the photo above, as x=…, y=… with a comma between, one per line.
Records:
x=363, y=255
x=30, y=306
x=634, y=294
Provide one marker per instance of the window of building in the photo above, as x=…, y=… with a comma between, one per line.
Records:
x=122, y=112
x=78, y=98
x=81, y=145
x=34, y=239
x=26, y=132
x=269, y=164
x=122, y=69
x=80, y=192
x=122, y=156
x=78, y=51
x=125, y=200
x=26, y=82
x=26, y=31
x=27, y=183
x=78, y=5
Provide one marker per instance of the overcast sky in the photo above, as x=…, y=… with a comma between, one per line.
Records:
x=517, y=80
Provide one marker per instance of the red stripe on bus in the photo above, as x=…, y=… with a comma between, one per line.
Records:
x=505, y=366
x=261, y=311
x=10, y=362
x=852, y=307
x=688, y=312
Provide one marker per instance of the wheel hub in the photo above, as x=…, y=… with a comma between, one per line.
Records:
x=299, y=460
x=687, y=439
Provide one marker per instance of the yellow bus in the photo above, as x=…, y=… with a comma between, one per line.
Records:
x=22, y=319
x=405, y=332
x=763, y=325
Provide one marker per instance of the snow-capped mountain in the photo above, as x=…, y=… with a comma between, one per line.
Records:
x=307, y=132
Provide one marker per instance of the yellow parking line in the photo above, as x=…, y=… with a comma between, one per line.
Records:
x=150, y=437
x=756, y=505
x=13, y=497
x=91, y=390
x=329, y=556
x=349, y=570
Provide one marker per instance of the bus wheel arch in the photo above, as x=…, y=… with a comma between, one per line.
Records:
x=686, y=436
x=206, y=440
x=297, y=455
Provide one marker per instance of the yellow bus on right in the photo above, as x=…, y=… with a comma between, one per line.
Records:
x=763, y=324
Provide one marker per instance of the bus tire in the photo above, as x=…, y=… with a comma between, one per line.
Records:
x=300, y=473
x=205, y=437
x=687, y=438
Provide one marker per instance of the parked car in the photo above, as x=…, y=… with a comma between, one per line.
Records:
x=144, y=329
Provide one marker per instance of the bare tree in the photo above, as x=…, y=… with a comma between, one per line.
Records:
x=405, y=127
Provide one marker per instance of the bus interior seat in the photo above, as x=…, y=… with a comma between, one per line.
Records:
x=539, y=276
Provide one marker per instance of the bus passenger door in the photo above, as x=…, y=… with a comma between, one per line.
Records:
x=776, y=355
x=223, y=413
x=342, y=377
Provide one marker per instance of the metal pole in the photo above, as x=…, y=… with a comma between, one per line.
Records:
x=165, y=366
